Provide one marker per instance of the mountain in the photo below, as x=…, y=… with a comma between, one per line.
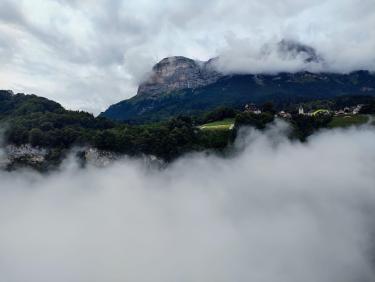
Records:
x=292, y=49
x=176, y=73
x=182, y=86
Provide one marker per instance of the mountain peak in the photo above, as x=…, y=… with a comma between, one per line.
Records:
x=292, y=48
x=176, y=73
x=174, y=60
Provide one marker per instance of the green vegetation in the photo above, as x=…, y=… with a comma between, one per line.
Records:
x=369, y=108
x=258, y=121
x=44, y=123
x=225, y=124
x=348, y=120
x=304, y=125
x=218, y=114
x=28, y=119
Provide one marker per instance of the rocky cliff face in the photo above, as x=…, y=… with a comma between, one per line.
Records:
x=176, y=73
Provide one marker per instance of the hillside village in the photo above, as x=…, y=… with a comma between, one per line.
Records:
x=346, y=111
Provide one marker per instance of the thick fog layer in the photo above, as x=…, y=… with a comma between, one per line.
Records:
x=277, y=211
x=111, y=44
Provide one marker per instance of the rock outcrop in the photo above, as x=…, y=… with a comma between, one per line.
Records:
x=176, y=73
x=12, y=156
x=292, y=49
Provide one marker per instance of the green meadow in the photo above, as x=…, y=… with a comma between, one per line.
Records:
x=348, y=120
x=225, y=124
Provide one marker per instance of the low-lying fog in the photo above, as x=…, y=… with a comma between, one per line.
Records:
x=278, y=211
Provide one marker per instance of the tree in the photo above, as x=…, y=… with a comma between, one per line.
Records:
x=368, y=108
x=258, y=121
x=304, y=125
x=36, y=137
x=268, y=108
x=219, y=114
x=105, y=140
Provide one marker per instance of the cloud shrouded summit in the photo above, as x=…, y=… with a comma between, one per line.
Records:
x=89, y=54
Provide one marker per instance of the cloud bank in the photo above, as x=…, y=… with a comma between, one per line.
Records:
x=88, y=55
x=277, y=211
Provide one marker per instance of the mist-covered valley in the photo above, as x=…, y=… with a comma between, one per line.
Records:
x=187, y=141
x=275, y=210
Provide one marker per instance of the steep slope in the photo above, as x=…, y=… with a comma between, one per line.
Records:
x=237, y=90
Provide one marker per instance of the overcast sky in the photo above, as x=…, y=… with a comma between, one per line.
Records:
x=89, y=54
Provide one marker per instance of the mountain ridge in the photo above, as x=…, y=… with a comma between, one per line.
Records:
x=237, y=90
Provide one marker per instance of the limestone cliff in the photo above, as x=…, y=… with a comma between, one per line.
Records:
x=176, y=73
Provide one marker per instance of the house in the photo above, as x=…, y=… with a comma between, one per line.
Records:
x=301, y=111
x=284, y=115
x=252, y=108
x=339, y=112
x=349, y=111
x=357, y=109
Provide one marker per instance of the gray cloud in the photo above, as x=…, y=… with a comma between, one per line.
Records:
x=88, y=55
x=278, y=211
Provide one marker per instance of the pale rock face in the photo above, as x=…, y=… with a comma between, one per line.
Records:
x=176, y=73
x=26, y=154
x=99, y=158
x=4, y=161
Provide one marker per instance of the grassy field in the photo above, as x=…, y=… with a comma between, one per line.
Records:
x=348, y=120
x=225, y=124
